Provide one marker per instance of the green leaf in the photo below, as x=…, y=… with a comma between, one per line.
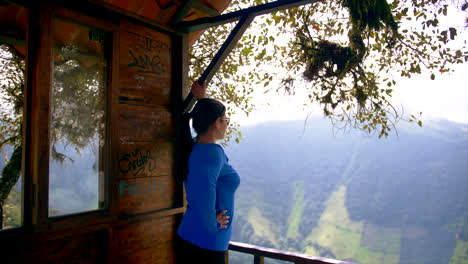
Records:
x=453, y=33
x=246, y=51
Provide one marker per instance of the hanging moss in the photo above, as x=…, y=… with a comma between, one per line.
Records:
x=331, y=60
x=328, y=56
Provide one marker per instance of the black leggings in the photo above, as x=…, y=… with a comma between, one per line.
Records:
x=187, y=253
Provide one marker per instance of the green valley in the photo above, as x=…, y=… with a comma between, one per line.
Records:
x=392, y=201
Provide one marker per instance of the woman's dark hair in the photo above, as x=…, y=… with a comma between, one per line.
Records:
x=205, y=113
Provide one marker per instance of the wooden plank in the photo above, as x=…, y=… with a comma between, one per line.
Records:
x=41, y=80
x=145, y=66
x=145, y=10
x=145, y=159
x=32, y=36
x=159, y=254
x=143, y=234
x=87, y=248
x=112, y=132
x=180, y=69
x=63, y=225
x=144, y=124
x=178, y=212
x=142, y=195
x=143, y=29
x=89, y=19
x=117, y=12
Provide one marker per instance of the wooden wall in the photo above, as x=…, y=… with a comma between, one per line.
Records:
x=146, y=137
x=144, y=193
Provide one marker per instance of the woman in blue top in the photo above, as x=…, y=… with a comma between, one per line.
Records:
x=205, y=231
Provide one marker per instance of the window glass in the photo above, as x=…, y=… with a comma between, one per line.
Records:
x=11, y=118
x=77, y=119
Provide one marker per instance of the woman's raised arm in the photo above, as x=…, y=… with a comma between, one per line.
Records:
x=199, y=91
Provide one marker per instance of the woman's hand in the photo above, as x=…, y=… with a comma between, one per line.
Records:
x=222, y=219
x=199, y=91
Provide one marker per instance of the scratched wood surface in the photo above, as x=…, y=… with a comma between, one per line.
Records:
x=159, y=11
x=162, y=253
x=144, y=124
x=143, y=159
x=145, y=66
x=146, y=132
x=87, y=248
x=144, y=234
x=148, y=194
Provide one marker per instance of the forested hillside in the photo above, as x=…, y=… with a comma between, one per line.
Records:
x=397, y=200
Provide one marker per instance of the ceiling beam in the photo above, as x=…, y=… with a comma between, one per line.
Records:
x=185, y=9
x=207, y=22
x=245, y=17
x=220, y=56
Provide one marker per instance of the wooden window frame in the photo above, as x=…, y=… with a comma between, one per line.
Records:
x=13, y=232
x=41, y=87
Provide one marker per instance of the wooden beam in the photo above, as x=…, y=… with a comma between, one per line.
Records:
x=192, y=4
x=207, y=22
x=181, y=12
x=226, y=48
x=39, y=87
x=11, y=40
x=220, y=56
x=205, y=9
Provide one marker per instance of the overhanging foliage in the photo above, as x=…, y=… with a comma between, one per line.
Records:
x=352, y=53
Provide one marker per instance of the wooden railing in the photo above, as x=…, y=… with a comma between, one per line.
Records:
x=260, y=253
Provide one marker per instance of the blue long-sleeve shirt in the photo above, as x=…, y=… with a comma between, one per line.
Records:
x=210, y=187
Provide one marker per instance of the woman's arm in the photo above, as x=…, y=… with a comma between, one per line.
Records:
x=199, y=91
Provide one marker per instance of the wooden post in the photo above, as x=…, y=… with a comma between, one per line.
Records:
x=226, y=257
x=259, y=259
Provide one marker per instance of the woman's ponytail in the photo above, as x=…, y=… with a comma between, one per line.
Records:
x=187, y=143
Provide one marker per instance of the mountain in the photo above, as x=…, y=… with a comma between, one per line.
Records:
x=307, y=188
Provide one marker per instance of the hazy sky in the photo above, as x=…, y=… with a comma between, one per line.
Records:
x=446, y=97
